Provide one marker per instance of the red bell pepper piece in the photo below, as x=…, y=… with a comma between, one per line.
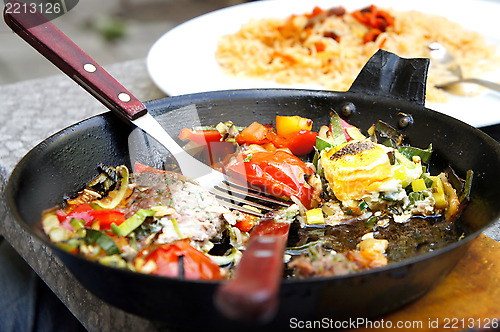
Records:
x=196, y=264
x=271, y=228
x=320, y=47
x=86, y=213
x=211, y=139
x=107, y=217
x=256, y=133
x=201, y=137
x=299, y=144
x=82, y=212
x=279, y=173
x=246, y=223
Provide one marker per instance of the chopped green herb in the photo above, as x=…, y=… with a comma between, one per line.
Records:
x=104, y=241
x=409, y=152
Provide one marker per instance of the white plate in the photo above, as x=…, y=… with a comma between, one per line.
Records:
x=183, y=60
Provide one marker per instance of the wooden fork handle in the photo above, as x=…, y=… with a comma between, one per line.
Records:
x=253, y=293
x=47, y=39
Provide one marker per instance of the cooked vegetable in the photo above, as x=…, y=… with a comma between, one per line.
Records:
x=299, y=142
x=104, y=241
x=280, y=173
x=338, y=135
x=288, y=126
x=201, y=137
x=418, y=185
x=165, y=260
x=119, y=195
x=377, y=20
x=132, y=223
x=359, y=205
x=315, y=216
x=410, y=152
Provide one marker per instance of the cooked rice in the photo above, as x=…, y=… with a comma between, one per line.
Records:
x=260, y=50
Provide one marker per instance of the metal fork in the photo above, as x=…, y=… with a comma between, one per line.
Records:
x=229, y=193
x=440, y=55
x=47, y=39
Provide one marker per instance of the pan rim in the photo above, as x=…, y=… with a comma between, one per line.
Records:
x=243, y=93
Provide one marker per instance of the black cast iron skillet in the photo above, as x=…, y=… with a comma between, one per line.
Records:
x=388, y=88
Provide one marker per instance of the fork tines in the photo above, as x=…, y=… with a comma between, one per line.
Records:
x=242, y=198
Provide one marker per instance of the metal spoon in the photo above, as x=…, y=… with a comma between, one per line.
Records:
x=441, y=55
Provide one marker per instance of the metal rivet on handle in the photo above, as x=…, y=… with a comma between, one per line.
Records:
x=125, y=97
x=89, y=67
x=347, y=109
x=404, y=120
x=263, y=253
x=266, y=239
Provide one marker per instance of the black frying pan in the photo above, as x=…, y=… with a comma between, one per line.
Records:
x=388, y=88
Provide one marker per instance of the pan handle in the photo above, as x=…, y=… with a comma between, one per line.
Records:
x=389, y=75
x=253, y=294
x=47, y=39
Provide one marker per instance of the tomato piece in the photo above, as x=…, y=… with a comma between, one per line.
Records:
x=107, y=217
x=284, y=57
x=300, y=143
x=376, y=20
x=386, y=18
x=246, y=223
x=358, y=15
x=315, y=12
x=196, y=264
x=320, y=47
x=200, y=137
x=279, y=173
x=371, y=35
x=86, y=213
x=270, y=227
x=61, y=215
x=256, y=133
x=216, y=149
x=293, y=132
x=82, y=212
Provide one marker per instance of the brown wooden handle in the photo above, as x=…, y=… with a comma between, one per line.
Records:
x=47, y=39
x=253, y=293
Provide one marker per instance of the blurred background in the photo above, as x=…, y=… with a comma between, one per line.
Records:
x=110, y=31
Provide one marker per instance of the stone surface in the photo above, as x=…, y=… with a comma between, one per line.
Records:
x=143, y=22
x=29, y=112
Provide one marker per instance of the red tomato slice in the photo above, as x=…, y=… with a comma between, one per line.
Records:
x=82, y=211
x=107, y=217
x=86, y=213
x=196, y=264
x=200, y=137
x=246, y=224
x=279, y=173
x=300, y=143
